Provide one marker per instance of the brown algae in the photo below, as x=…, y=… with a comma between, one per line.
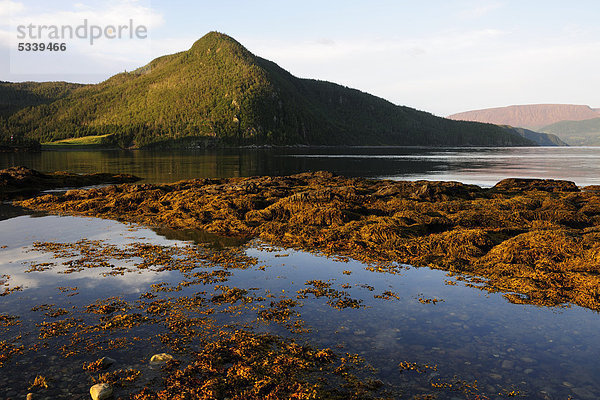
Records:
x=538, y=240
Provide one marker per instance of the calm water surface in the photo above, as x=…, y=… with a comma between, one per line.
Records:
x=544, y=353
x=481, y=166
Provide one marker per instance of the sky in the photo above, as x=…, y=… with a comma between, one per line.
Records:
x=442, y=57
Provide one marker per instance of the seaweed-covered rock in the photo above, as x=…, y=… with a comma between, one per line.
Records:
x=544, y=185
x=22, y=180
x=534, y=237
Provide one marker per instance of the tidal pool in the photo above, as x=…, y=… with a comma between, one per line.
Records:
x=478, y=342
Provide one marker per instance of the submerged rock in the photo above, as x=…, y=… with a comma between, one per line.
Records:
x=159, y=359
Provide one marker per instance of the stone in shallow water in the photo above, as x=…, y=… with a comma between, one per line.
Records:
x=506, y=364
x=584, y=393
x=161, y=358
x=101, y=391
x=106, y=362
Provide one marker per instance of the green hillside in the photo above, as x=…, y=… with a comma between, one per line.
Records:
x=220, y=91
x=577, y=133
x=542, y=139
x=18, y=96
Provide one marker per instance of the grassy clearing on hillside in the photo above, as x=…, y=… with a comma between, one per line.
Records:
x=81, y=141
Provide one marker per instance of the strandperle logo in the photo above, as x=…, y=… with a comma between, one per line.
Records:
x=85, y=30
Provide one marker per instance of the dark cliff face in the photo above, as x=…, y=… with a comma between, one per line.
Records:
x=219, y=90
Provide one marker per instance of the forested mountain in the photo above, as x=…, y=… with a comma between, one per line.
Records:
x=220, y=91
x=18, y=96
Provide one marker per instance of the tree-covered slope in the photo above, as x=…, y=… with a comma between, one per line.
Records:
x=541, y=139
x=23, y=95
x=577, y=133
x=218, y=89
x=16, y=96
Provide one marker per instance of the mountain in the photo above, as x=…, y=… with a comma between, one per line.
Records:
x=540, y=138
x=577, y=133
x=532, y=116
x=219, y=91
x=16, y=96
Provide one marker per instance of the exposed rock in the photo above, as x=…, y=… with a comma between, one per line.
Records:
x=23, y=180
x=101, y=391
x=106, y=362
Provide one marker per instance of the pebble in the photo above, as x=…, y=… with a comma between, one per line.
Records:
x=101, y=391
x=161, y=358
x=507, y=364
x=528, y=371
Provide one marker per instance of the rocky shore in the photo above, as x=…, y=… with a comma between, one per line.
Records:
x=23, y=181
x=537, y=240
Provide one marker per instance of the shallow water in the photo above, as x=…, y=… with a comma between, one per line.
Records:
x=544, y=353
x=473, y=335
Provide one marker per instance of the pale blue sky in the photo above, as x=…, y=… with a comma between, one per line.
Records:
x=439, y=56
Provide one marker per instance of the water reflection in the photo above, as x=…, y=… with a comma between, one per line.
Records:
x=482, y=166
x=542, y=352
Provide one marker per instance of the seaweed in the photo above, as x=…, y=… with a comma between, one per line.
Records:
x=538, y=238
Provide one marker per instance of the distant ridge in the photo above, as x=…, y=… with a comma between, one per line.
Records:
x=532, y=116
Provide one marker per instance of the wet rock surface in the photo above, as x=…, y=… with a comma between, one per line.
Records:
x=537, y=239
x=101, y=391
x=22, y=180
